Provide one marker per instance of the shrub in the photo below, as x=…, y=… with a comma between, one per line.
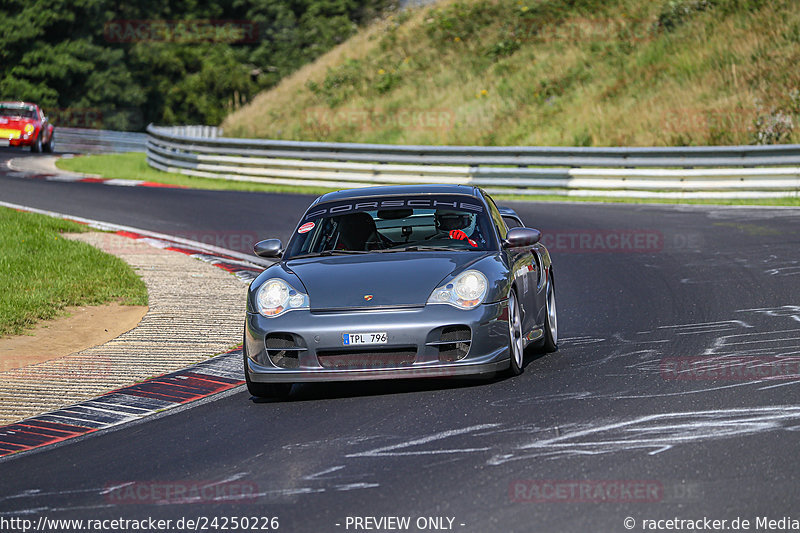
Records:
x=677, y=12
x=774, y=127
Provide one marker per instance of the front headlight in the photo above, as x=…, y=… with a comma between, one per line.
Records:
x=276, y=297
x=465, y=291
x=29, y=128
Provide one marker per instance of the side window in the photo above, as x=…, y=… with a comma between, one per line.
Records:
x=502, y=230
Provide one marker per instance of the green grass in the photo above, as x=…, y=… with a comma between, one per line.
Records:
x=786, y=202
x=134, y=166
x=549, y=72
x=41, y=273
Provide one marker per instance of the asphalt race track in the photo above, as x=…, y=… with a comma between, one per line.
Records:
x=597, y=432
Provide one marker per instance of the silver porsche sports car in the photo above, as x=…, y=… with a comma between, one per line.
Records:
x=399, y=282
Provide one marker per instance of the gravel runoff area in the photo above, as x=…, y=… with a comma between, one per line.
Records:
x=196, y=310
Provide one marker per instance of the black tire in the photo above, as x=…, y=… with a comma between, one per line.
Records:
x=36, y=147
x=516, y=344
x=550, y=343
x=50, y=145
x=264, y=390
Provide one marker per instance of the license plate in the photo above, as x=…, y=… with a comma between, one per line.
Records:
x=350, y=339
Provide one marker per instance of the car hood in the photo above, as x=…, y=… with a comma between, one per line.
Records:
x=392, y=279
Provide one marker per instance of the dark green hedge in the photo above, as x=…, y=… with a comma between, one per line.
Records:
x=79, y=60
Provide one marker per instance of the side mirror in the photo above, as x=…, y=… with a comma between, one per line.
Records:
x=270, y=248
x=519, y=237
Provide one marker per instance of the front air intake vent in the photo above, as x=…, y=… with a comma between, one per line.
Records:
x=454, y=344
x=379, y=358
x=283, y=350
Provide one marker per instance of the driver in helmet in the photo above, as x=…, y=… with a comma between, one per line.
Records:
x=453, y=223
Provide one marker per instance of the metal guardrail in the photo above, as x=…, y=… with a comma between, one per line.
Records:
x=84, y=140
x=202, y=152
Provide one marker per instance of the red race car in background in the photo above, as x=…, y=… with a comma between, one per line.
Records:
x=24, y=124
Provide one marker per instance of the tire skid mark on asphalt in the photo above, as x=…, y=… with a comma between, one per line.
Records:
x=656, y=433
x=759, y=336
x=644, y=354
x=706, y=327
x=323, y=473
x=524, y=441
x=35, y=496
x=791, y=311
x=652, y=434
x=706, y=267
x=393, y=450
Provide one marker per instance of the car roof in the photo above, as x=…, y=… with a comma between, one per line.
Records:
x=399, y=190
x=19, y=104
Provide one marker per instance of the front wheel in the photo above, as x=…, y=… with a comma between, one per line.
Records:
x=36, y=147
x=516, y=344
x=50, y=145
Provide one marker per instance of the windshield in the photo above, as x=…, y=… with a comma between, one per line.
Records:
x=17, y=111
x=392, y=225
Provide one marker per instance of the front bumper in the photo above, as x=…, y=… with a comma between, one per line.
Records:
x=11, y=137
x=415, y=334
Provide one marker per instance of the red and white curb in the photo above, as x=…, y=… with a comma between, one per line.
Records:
x=104, y=181
x=134, y=402
x=123, y=405
x=15, y=171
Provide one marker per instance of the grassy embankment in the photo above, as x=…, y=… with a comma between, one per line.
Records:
x=41, y=273
x=537, y=72
x=550, y=72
